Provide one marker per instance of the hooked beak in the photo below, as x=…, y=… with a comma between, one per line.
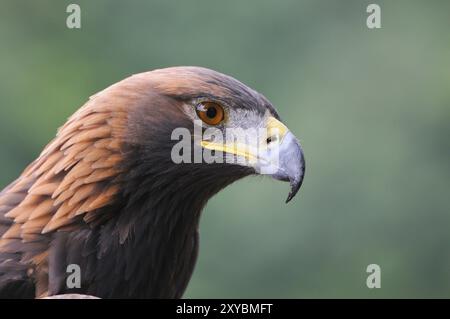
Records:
x=278, y=154
x=291, y=167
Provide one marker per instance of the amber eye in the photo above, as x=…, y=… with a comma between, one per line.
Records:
x=210, y=113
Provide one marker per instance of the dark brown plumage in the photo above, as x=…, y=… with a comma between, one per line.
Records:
x=105, y=194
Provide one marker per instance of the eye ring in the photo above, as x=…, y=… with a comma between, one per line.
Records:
x=210, y=113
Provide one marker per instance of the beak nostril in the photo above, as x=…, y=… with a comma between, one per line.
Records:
x=272, y=139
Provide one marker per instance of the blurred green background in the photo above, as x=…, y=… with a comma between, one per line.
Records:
x=371, y=107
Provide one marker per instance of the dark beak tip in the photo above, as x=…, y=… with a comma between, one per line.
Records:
x=290, y=196
x=296, y=182
x=295, y=186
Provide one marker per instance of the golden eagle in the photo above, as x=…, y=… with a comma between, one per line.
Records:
x=107, y=195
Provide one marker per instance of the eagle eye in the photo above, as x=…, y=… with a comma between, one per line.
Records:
x=211, y=113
